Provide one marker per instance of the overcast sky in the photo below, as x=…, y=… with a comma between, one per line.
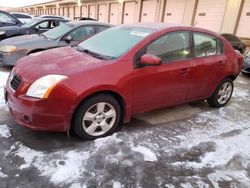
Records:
x=20, y=3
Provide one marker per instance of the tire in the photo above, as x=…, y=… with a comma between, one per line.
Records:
x=222, y=94
x=89, y=122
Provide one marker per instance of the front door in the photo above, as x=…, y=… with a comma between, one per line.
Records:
x=168, y=83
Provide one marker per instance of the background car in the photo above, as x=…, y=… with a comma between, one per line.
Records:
x=235, y=42
x=23, y=17
x=84, y=18
x=35, y=26
x=55, y=16
x=246, y=64
x=120, y=72
x=68, y=33
x=7, y=19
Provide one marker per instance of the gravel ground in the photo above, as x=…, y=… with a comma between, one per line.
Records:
x=186, y=146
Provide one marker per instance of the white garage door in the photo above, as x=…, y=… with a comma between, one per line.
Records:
x=244, y=24
x=148, y=11
x=114, y=13
x=77, y=11
x=210, y=14
x=174, y=11
x=102, y=13
x=61, y=11
x=71, y=13
x=129, y=12
x=66, y=11
x=54, y=11
x=92, y=11
x=84, y=11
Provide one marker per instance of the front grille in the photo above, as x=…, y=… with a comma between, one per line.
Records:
x=15, y=81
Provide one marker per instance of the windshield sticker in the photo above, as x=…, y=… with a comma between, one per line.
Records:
x=139, y=33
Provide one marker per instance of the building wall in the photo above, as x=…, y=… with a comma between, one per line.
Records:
x=226, y=13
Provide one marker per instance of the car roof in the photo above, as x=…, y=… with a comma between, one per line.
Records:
x=153, y=25
x=86, y=22
x=164, y=26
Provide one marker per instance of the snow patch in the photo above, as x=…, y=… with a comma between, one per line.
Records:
x=101, y=142
x=229, y=175
x=2, y=175
x=78, y=185
x=4, y=131
x=3, y=78
x=117, y=184
x=147, y=153
x=240, y=93
x=61, y=167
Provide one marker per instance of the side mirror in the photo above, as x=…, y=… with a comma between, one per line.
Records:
x=150, y=60
x=68, y=39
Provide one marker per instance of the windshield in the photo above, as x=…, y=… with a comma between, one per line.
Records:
x=115, y=41
x=58, y=31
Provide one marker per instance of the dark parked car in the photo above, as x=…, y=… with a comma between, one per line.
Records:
x=246, y=64
x=235, y=42
x=84, y=18
x=7, y=19
x=120, y=72
x=55, y=16
x=69, y=33
x=35, y=26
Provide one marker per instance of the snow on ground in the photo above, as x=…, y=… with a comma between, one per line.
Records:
x=3, y=79
x=61, y=167
x=2, y=175
x=4, y=131
x=211, y=141
x=148, y=155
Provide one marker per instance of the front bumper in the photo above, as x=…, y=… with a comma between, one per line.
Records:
x=9, y=59
x=39, y=114
x=246, y=66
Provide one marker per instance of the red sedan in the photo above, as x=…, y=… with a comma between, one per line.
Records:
x=129, y=69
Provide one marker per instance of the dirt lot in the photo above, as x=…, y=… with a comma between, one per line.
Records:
x=186, y=146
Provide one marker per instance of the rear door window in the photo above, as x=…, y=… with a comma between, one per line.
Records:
x=206, y=45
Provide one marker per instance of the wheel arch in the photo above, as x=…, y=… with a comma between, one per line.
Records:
x=116, y=95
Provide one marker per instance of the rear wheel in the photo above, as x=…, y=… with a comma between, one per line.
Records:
x=96, y=117
x=222, y=94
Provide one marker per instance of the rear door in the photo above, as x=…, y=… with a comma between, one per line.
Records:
x=167, y=84
x=208, y=65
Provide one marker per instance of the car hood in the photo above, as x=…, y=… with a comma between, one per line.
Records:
x=64, y=61
x=27, y=41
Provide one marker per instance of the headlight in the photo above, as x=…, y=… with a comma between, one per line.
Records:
x=42, y=87
x=2, y=32
x=7, y=49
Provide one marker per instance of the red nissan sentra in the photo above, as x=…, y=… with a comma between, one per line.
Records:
x=129, y=69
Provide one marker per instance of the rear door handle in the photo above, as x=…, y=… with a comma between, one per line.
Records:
x=185, y=70
x=221, y=63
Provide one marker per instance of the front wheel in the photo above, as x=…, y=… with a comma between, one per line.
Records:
x=222, y=94
x=96, y=117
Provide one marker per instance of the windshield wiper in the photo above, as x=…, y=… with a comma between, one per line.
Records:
x=94, y=54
